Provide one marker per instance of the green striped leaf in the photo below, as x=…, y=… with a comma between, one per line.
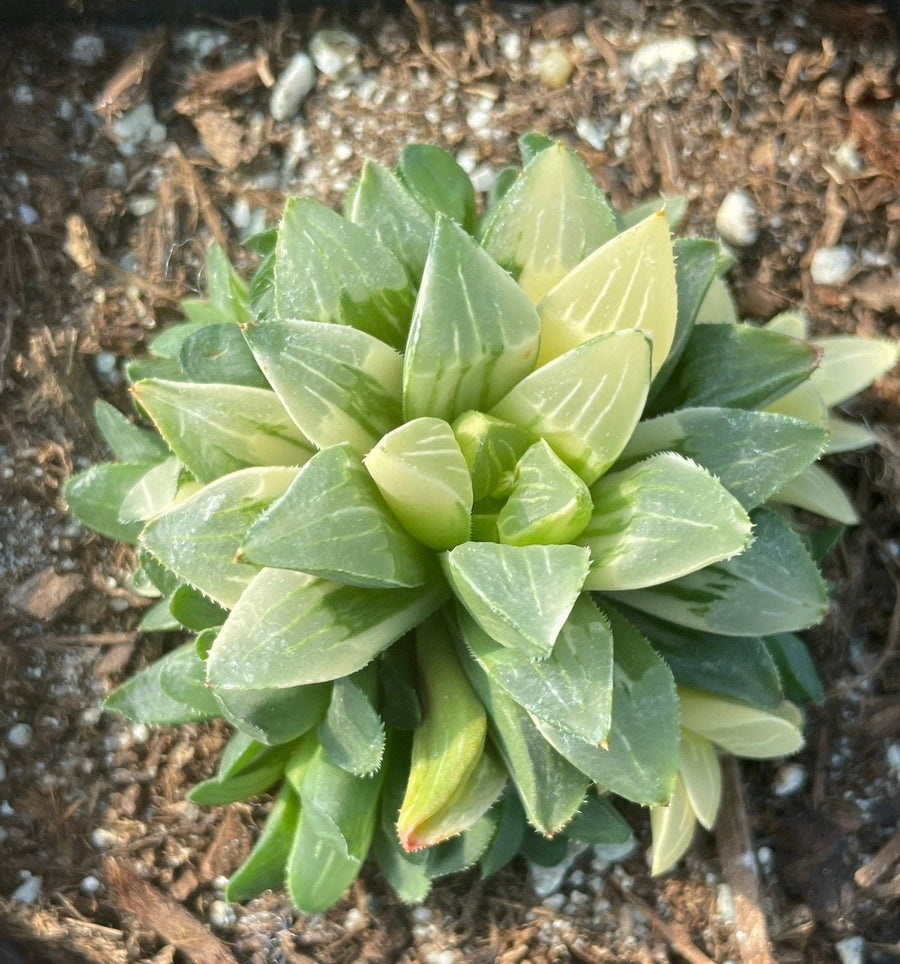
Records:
x=332, y=522
x=96, y=495
x=438, y=183
x=474, y=333
x=659, y=520
x=128, y=442
x=328, y=269
x=274, y=716
x=182, y=676
x=225, y=289
x=519, y=595
x=338, y=384
x=219, y=354
x=217, y=429
x=352, y=733
x=199, y=538
x=492, y=449
x=153, y=493
x=586, y=403
x=290, y=628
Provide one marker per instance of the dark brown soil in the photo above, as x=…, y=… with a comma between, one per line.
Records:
x=794, y=103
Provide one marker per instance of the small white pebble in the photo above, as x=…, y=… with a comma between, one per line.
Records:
x=554, y=901
x=766, y=858
x=221, y=882
x=116, y=174
x=483, y=177
x=294, y=83
x=221, y=914
x=788, y=780
x=336, y=53
x=354, y=920
x=20, y=735
x=142, y=204
x=29, y=890
x=831, y=266
x=89, y=885
x=87, y=49
x=511, y=46
x=343, y=151
x=851, y=950
x=105, y=363
x=28, y=215
x=421, y=915
x=660, y=59
x=23, y=95
x=103, y=839
x=140, y=732
x=725, y=904
x=6, y=810
x=848, y=157
x=590, y=133
x=555, y=68
x=440, y=957
x=4, y=833
x=736, y=219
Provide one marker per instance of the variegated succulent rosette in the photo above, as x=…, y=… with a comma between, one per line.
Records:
x=479, y=522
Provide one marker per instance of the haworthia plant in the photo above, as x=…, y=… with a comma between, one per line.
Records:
x=480, y=524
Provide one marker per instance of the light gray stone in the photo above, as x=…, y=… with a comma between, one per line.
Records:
x=294, y=83
x=660, y=59
x=832, y=266
x=737, y=219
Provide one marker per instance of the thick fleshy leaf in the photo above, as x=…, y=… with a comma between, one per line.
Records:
x=386, y=209
x=167, y=344
x=773, y=586
x=849, y=364
x=159, y=619
x=352, y=733
x=737, y=366
x=752, y=454
x=465, y=849
x=263, y=773
x=733, y=666
x=154, y=492
x=474, y=333
x=846, y=436
x=598, y=822
x=438, y=183
x=585, y=403
x=701, y=776
x=219, y=354
x=673, y=828
x=816, y=491
x=745, y=731
x=551, y=789
x=422, y=474
x=328, y=269
x=332, y=522
x=238, y=753
x=492, y=449
x=401, y=707
x=274, y=716
x=520, y=595
x=799, y=677
x=675, y=209
x=448, y=744
x=195, y=611
x=338, y=812
x=264, y=867
x=198, y=538
x=510, y=833
x=659, y=520
x=225, y=288
x=549, y=504
x=718, y=306
x=141, y=369
x=572, y=688
x=802, y=402
x=183, y=677
x=290, y=628
x=338, y=384
x=128, y=442
x=549, y=221
x=628, y=283
x=217, y=429
x=793, y=323
x=640, y=759
x=532, y=143
x=143, y=699
x=95, y=496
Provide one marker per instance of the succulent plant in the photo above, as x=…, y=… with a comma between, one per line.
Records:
x=480, y=523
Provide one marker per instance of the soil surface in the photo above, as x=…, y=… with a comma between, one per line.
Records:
x=104, y=216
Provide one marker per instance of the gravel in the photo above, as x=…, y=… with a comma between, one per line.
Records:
x=832, y=266
x=736, y=219
x=659, y=60
x=294, y=83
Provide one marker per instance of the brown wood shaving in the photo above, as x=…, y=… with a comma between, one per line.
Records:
x=164, y=917
x=871, y=872
x=130, y=84
x=739, y=866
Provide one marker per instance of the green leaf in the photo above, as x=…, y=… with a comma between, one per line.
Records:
x=290, y=628
x=628, y=283
x=550, y=788
x=143, y=699
x=701, y=776
x=159, y=619
x=274, y=716
x=448, y=744
x=474, y=333
x=718, y=305
x=816, y=491
x=328, y=269
x=658, y=520
x=549, y=221
x=640, y=760
x=194, y=610
x=753, y=454
x=532, y=143
x=549, y=503
x=183, y=677
x=598, y=822
x=142, y=369
x=545, y=851
x=737, y=366
x=219, y=354
x=389, y=212
x=422, y=475
x=262, y=286
x=264, y=868
x=338, y=812
x=198, y=539
x=95, y=496
x=572, y=687
x=238, y=753
x=675, y=209
x=745, y=731
x=846, y=436
x=773, y=586
x=338, y=384
x=167, y=344
x=332, y=522
x=352, y=733
x=225, y=288
x=153, y=493
x=492, y=449
x=510, y=833
x=401, y=708
x=849, y=364
x=438, y=183
x=585, y=403
x=265, y=770
x=217, y=429
x=128, y=442
x=519, y=595
x=799, y=676
x=673, y=827
x=735, y=666
x=464, y=850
